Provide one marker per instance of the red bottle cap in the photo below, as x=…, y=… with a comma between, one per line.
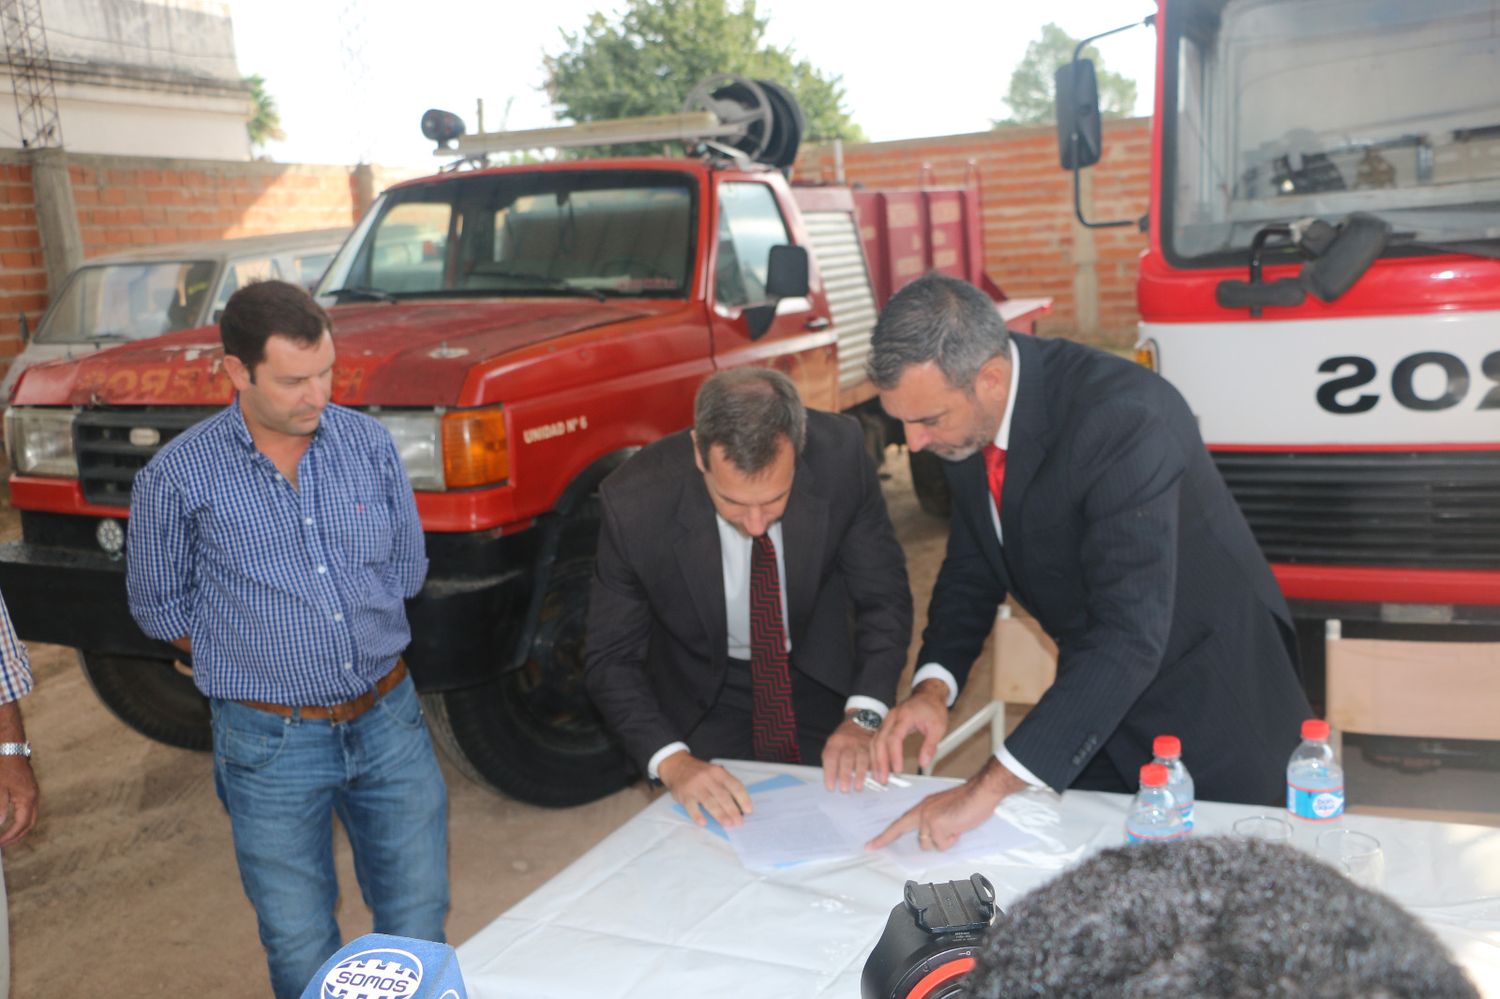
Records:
x=1153, y=775
x=1315, y=728
x=1166, y=746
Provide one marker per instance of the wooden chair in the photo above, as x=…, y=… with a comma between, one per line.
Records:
x=1022, y=667
x=1418, y=689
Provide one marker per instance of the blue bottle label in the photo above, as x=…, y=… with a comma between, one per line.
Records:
x=1186, y=811
x=1322, y=805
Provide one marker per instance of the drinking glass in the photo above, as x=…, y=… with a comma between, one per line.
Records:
x=1356, y=854
x=1267, y=828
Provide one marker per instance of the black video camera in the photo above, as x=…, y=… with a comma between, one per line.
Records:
x=929, y=942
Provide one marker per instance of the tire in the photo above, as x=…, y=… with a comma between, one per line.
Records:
x=532, y=733
x=156, y=697
x=930, y=484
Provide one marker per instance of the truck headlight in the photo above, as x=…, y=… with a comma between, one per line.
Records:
x=460, y=449
x=418, y=442
x=40, y=441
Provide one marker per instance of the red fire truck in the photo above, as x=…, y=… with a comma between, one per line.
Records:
x=521, y=331
x=1321, y=283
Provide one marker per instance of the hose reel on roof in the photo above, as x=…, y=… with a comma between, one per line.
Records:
x=757, y=120
x=768, y=116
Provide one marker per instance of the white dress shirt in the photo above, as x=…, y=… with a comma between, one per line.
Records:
x=734, y=546
x=930, y=671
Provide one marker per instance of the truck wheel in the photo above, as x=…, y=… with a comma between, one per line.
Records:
x=533, y=733
x=930, y=484
x=156, y=697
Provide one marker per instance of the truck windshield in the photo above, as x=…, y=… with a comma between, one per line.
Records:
x=1278, y=110
x=129, y=302
x=541, y=233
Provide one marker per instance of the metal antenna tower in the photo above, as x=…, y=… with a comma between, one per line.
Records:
x=31, y=72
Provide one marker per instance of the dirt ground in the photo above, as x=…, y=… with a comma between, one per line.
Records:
x=128, y=885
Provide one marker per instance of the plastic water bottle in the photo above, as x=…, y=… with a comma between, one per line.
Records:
x=1153, y=814
x=1314, y=779
x=1168, y=752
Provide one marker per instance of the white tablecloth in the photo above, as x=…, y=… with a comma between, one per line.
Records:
x=663, y=908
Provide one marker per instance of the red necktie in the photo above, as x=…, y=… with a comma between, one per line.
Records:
x=773, y=725
x=994, y=465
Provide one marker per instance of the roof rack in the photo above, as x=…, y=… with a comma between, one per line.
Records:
x=758, y=120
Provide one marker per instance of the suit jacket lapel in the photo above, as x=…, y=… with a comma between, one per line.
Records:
x=696, y=546
x=804, y=529
x=1028, y=434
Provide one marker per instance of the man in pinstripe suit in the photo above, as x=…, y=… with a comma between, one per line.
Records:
x=1082, y=487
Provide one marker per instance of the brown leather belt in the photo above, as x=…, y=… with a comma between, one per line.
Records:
x=345, y=711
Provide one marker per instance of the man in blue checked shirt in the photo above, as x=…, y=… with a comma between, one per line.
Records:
x=18, y=792
x=276, y=542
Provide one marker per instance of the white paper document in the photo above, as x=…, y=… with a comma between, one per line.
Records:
x=804, y=823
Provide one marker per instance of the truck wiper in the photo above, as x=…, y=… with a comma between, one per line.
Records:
x=362, y=293
x=107, y=335
x=1338, y=255
x=1488, y=250
x=545, y=281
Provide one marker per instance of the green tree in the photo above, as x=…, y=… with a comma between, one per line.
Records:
x=646, y=63
x=264, y=122
x=1031, y=96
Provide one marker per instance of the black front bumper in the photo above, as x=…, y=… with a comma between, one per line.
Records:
x=465, y=623
x=68, y=596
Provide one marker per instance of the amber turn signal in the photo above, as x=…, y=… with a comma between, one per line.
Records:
x=1145, y=354
x=475, y=451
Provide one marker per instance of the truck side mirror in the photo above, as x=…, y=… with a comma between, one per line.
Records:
x=787, y=272
x=1079, y=131
x=786, y=277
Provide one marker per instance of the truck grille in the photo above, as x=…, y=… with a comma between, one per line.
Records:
x=108, y=461
x=1422, y=509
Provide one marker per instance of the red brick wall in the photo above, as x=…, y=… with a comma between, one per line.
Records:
x=1031, y=239
x=123, y=202
x=23, y=278
x=138, y=202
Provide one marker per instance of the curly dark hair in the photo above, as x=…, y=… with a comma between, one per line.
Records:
x=1211, y=917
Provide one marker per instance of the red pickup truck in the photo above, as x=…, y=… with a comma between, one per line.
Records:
x=521, y=331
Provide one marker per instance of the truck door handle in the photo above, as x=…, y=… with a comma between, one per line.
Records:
x=817, y=323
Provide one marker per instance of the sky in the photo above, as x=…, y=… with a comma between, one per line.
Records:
x=351, y=78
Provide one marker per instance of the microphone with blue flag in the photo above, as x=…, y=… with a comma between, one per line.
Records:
x=378, y=966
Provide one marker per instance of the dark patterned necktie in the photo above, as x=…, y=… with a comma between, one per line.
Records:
x=773, y=725
x=994, y=466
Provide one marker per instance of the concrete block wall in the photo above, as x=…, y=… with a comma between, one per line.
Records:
x=1033, y=244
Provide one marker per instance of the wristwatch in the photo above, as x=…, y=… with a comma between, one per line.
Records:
x=15, y=749
x=867, y=719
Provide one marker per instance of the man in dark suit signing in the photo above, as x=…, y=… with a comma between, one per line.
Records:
x=1082, y=487
x=750, y=599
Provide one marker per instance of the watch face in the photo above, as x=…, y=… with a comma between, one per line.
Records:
x=866, y=719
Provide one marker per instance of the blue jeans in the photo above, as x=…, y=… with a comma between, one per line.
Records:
x=283, y=779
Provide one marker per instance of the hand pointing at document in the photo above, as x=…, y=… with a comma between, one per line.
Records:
x=940, y=819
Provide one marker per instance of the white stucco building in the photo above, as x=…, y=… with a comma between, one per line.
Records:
x=142, y=78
